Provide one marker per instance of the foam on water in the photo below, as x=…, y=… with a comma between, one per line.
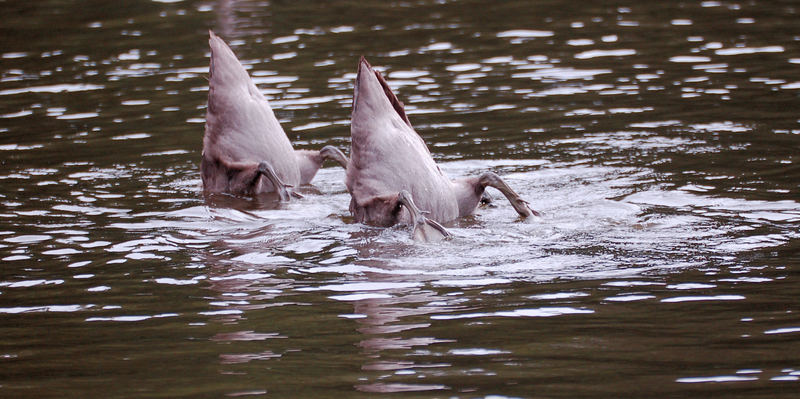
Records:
x=659, y=146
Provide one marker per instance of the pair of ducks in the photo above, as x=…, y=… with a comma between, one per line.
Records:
x=391, y=176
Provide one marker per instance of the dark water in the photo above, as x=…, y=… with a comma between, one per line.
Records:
x=660, y=140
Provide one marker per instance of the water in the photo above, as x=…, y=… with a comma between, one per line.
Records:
x=659, y=140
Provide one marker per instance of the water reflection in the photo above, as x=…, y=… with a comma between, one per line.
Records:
x=384, y=310
x=660, y=140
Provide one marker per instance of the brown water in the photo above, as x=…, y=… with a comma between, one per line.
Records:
x=660, y=140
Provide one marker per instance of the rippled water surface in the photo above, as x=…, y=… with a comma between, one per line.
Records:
x=660, y=141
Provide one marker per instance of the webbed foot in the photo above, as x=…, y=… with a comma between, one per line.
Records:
x=520, y=205
x=334, y=154
x=265, y=169
x=487, y=200
x=424, y=229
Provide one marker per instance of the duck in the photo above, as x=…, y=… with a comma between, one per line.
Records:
x=245, y=149
x=392, y=177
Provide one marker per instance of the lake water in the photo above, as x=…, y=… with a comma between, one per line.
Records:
x=660, y=141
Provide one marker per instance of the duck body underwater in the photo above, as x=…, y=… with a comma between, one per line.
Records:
x=392, y=177
x=245, y=149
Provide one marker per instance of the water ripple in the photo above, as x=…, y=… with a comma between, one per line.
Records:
x=657, y=145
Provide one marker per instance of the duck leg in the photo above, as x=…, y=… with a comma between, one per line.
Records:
x=424, y=229
x=491, y=179
x=334, y=154
x=266, y=170
x=309, y=161
x=243, y=177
